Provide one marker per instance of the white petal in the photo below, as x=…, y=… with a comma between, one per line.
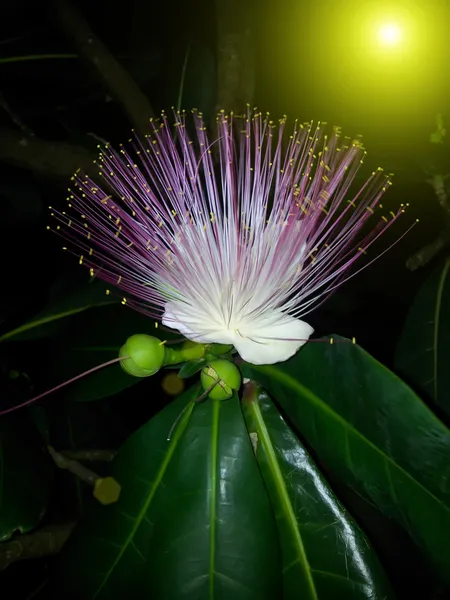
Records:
x=197, y=328
x=265, y=339
x=274, y=338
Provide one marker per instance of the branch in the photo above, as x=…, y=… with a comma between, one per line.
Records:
x=48, y=158
x=90, y=455
x=60, y=159
x=236, y=55
x=106, y=489
x=119, y=83
x=15, y=118
x=423, y=256
x=43, y=542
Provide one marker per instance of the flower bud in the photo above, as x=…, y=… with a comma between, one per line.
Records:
x=146, y=355
x=225, y=374
x=218, y=349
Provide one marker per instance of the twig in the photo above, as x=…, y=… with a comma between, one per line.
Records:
x=43, y=542
x=90, y=455
x=426, y=253
x=14, y=118
x=119, y=83
x=48, y=158
x=437, y=182
x=423, y=256
x=236, y=55
x=106, y=489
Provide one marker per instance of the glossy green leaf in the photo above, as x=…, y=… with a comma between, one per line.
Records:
x=325, y=554
x=423, y=352
x=191, y=368
x=92, y=339
x=89, y=296
x=374, y=432
x=193, y=519
x=26, y=474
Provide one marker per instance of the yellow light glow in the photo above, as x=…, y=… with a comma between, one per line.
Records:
x=389, y=34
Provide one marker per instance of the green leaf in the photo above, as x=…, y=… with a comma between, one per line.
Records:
x=423, y=353
x=92, y=339
x=370, y=428
x=193, y=519
x=191, y=368
x=26, y=474
x=325, y=554
x=46, y=322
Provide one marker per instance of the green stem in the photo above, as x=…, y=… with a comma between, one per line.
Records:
x=189, y=351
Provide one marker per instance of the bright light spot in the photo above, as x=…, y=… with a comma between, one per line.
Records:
x=389, y=34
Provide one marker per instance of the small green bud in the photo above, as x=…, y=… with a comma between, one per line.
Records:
x=227, y=376
x=146, y=355
x=191, y=350
x=218, y=349
x=188, y=351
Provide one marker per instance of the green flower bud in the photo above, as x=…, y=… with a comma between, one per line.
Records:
x=189, y=351
x=227, y=376
x=146, y=355
x=192, y=350
x=218, y=349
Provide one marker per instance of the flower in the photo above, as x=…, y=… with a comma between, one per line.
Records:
x=229, y=240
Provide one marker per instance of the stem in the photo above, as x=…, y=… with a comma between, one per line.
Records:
x=190, y=351
x=429, y=251
x=43, y=542
x=44, y=157
x=82, y=472
x=235, y=54
x=426, y=254
x=106, y=489
x=91, y=455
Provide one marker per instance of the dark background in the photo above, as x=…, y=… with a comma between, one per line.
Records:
x=311, y=60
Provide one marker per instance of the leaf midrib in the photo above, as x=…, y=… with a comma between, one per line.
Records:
x=213, y=495
x=326, y=407
x=282, y=492
x=437, y=314
x=160, y=474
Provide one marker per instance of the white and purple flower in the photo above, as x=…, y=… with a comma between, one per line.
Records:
x=232, y=239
